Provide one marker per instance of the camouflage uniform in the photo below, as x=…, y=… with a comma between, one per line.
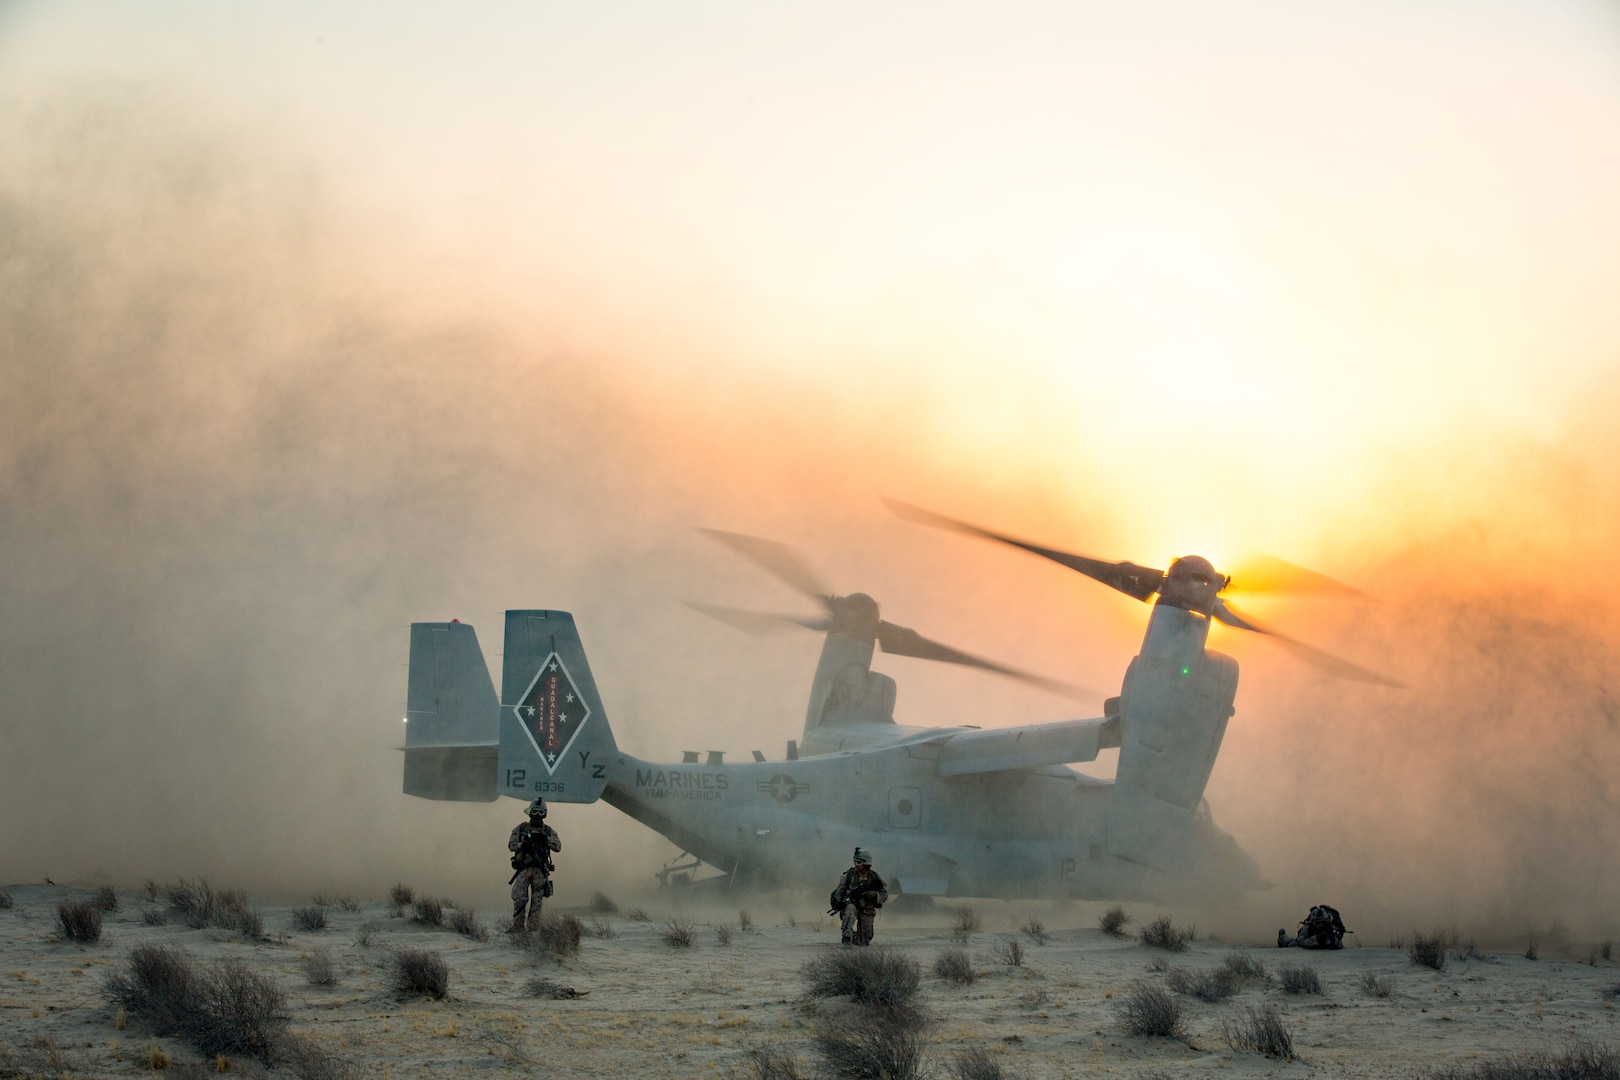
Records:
x=531, y=844
x=859, y=894
x=1321, y=929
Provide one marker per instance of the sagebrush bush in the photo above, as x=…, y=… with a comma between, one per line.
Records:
x=1149, y=1011
x=1428, y=950
x=1579, y=1061
x=1035, y=930
x=677, y=932
x=204, y=907
x=106, y=899
x=603, y=904
x=977, y=1063
x=5, y=899
x=1210, y=984
x=1012, y=953
x=1260, y=1031
x=636, y=914
x=722, y=934
x=319, y=969
x=421, y=972
x=464, y=921
x=224, y=1009
x=155, y=917
x=953, y=965
x=1161, y=933
x=745, y=921
x=600, y=928
x=78, y=920
x=1113, y=921
x=966, y=924
x=1245, y=966
x=1299, y=979
x=773, y=1063
x=556, y=935
x=871, y=1048
x=310, y=918
x=872, y=976
x=402, y=896
x=428, y=910
x=1379, y=986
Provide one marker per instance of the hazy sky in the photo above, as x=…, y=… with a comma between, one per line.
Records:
x=316, y=319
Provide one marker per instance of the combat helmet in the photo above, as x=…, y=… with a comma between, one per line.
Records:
x=538, y=807
x=863, y=857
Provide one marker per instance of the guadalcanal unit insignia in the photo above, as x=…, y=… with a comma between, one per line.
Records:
x=552, y=711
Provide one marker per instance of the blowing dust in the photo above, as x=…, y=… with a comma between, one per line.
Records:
x=241, y=449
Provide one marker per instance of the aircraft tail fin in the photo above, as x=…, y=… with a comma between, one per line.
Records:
x=554, y=735
x=451, y=716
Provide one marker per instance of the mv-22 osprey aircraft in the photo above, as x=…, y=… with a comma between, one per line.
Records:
x=948, y=811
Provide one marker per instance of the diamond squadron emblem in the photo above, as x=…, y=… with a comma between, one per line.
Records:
x=552, y=711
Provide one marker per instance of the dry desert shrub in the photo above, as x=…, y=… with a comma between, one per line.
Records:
x=1530, y=950
x=872, y=1048
x=722, y=934
x=5, y=899
x=155, y=917
x=541, y=987
x=79, y=920
x=1114, y=921
x=556, y=936
x=151, y=890
x=600, y=928
x=106, y=899
x=1299, y=979
x=1429, y=950
x=364, y=934
x=966, y=924
x=773, y=1063
x=678, y=932
x=1161, y=933
x=429, y=911
x=224, y=1009
x=977, y=1063
x=636, y=914
x=1606, y=950
x=1259, y=1031
x=421, y=972
x=878, y=977
x=1579, y=1061
x=307, y=1060
x=464, y=921
x=1035, y=930
x=402, y=896
x=1612, y=993
x=1012, y=953
x=319, y=969
x=1211, y=984
x=1149, y=1011
x=953, y=965
x=603, y=904
x=202, y=906
x=745, y=921
x=348, y=903
x=1245, y=966
x=1379, y=986
x=1469, y=951
x=309, y=918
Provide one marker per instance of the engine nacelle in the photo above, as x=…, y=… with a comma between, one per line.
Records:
x=1174, y=707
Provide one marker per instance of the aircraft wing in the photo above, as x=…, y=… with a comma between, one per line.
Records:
x=1000, y=749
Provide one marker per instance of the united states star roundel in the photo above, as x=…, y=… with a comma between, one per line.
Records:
x=552, y=711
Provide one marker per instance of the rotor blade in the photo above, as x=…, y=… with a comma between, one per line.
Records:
x=776, y=558
x=1325, y=662
x=1259, y=572
x=903, y=641
x=757, y=622
x=1136, y=581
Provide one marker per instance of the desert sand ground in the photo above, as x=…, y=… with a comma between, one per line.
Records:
x=654, y=1009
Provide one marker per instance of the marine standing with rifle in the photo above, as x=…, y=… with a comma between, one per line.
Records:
x=859, y=894
x=531, y=845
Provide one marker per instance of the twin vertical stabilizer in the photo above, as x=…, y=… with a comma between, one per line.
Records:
x=547, y=734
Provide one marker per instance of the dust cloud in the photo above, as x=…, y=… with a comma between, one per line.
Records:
x=245, y=439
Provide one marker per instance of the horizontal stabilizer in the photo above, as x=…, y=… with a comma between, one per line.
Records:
x=1028, y=746
x=453, y=773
